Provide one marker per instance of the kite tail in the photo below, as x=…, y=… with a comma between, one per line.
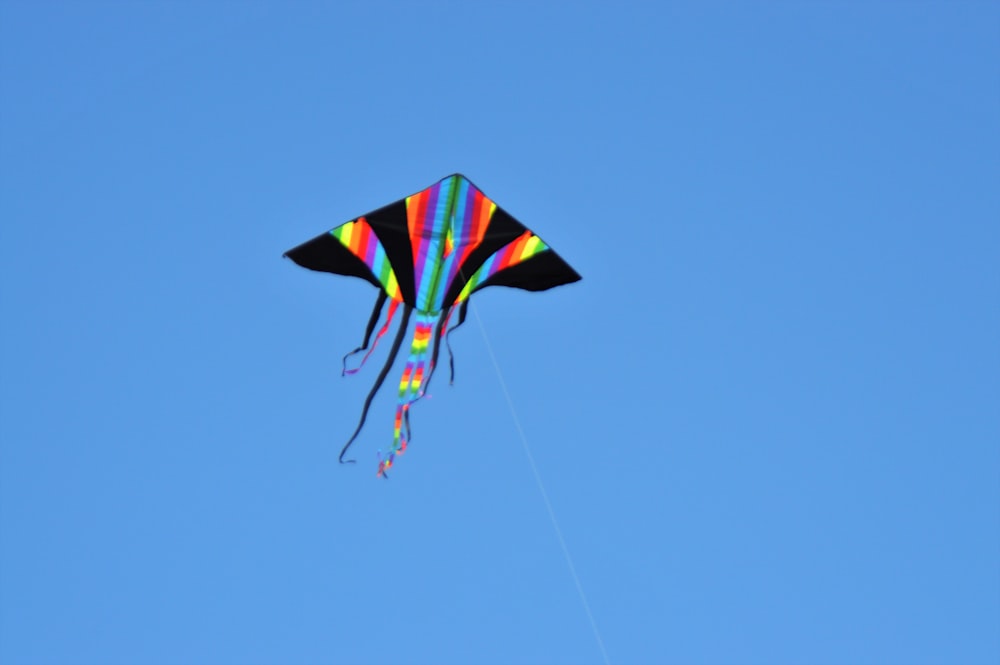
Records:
x=368, y=333
x=372, y=320
x=398, y=342
x=411, y=388
x=462, y=311
x=442, y=324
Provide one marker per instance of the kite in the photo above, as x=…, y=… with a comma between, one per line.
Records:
x=427, y=254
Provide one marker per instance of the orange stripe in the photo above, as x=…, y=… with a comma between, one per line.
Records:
x=361, y=240
x=416, y=212
x=483, y=216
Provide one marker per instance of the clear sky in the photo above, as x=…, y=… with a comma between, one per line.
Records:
x=768, y=417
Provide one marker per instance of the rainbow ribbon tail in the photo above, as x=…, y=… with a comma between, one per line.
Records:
x=384, y=464
x=416, y=379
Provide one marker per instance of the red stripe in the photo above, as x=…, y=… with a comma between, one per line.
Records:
x=416, y=221
x=363, y=240
x=514, y=250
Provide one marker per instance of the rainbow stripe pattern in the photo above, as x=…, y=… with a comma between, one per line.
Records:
x=517, y=251
x=358, y=237
x=447, y=222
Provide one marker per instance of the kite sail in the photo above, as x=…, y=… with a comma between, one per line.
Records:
x=427, y=254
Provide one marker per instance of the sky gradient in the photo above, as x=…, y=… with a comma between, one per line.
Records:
x=766, y=419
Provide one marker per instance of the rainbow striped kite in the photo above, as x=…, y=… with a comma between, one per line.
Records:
x=429, y=252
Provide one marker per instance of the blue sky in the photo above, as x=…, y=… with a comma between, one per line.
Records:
x=767, y=418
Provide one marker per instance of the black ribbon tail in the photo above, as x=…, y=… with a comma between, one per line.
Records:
x=372, y=322
x=407, y=309
x=462, y=311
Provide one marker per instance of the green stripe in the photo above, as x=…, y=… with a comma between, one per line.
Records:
x=439, y=263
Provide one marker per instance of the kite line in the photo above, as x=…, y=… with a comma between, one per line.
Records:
x=540, y=484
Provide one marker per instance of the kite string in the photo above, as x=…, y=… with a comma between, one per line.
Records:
x=541, y=486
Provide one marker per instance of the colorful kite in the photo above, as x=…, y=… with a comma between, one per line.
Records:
x=429, y=252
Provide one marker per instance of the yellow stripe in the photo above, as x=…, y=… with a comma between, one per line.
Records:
x=392, y=288
x=345, y=235
x=465, y=292
x=530, y=247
